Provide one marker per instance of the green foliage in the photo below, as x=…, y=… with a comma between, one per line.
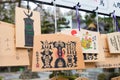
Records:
x=102, y=76
x=112, y=75
x=90, y=18
x=51, y=75
x=7, y=12
x=60, y=22
x=47, y=27
x=108, y=25
x=64, y=75
x=73, y=77
x=17, y=68
x=1, y=78
x=55, y=73
x=106, y=22
x=27, y=74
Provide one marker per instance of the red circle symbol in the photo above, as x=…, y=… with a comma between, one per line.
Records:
x=73, y=32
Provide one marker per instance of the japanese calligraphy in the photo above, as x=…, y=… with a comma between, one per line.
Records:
x=57, y=52
x=46, y=54
x=116, y=4
x=7, y=43
x=102, y=3
x=114, y=42
x=90, y=56
x=62, y=48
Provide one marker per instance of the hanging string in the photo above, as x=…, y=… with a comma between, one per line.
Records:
x=115, y=22
x=77, y=15
x=55, y=16
x=97, y=21
x=96, y=18
x=28, y=6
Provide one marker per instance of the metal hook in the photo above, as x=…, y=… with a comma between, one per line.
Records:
x=53, y=2
x=95, y=9
x=78, y=5
x=112, y=12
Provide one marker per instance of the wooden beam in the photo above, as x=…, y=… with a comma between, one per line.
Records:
x=68, y=7
x=3, y=2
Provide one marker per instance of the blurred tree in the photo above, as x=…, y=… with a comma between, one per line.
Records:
x=102, y=76
x=112, y=75
x=90, y=18
x=68, y=75
x=105, y=23
x=7, y=10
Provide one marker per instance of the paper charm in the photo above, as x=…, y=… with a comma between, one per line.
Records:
x=114, y=42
